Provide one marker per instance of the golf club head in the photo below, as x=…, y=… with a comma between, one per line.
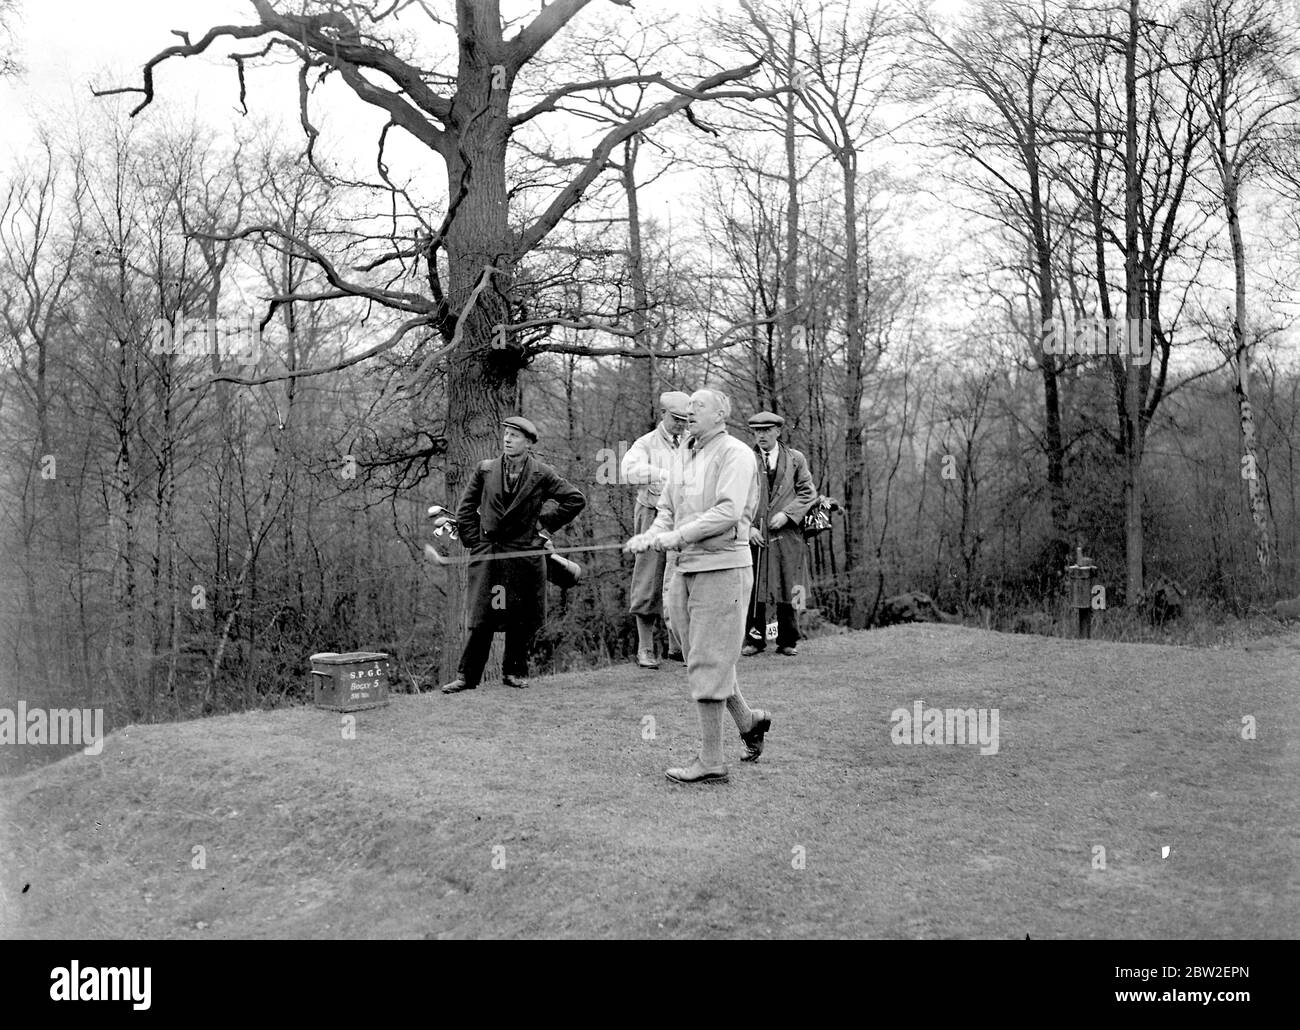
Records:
x=443, y=520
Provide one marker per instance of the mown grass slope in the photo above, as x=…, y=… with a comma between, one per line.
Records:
x=545, y=812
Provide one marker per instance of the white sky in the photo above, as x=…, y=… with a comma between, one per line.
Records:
x=71, y=44
x=65, y=45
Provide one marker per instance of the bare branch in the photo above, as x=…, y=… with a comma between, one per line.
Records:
x=721, y=343
x=398, y=299
x=418, y=380
x=706, y=89
x=344, y=53
x=552, y=99
x=537, y=33
x=337, y=366
x=187, y=50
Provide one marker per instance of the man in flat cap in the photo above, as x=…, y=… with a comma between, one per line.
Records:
x=704, y=514
x=512, y=503
x=646, y=464
x=786, y=492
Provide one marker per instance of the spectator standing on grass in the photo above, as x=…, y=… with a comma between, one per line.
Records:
x=646, y=465
x=512, y=503
x=786, y=492
x=704, y=514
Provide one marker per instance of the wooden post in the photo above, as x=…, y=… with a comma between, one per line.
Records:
x=1080, y=575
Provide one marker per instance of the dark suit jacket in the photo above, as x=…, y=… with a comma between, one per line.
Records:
x=491, y=522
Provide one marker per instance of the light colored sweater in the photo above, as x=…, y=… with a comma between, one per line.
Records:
x=709, y=502
x=646, y=464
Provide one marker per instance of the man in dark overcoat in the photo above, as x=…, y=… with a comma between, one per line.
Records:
x=786, y=492
x=512, y=503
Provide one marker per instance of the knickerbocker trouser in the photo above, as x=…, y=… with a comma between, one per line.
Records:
x=708, y=612
x=646, y=595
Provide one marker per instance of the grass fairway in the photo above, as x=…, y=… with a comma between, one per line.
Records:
x=394, y=833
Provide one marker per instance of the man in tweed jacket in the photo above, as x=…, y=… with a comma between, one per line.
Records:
x=785, y=493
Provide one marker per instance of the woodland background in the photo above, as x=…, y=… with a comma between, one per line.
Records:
x=874, y=208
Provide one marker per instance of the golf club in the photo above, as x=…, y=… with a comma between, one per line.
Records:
x=466, y=559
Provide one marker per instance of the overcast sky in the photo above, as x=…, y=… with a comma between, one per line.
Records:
x=69, y=45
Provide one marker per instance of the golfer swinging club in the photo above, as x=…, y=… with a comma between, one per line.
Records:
x=704, y=513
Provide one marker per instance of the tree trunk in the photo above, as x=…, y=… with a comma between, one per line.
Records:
x=636, y=272
x=1133, y=321
x=855, y=357
x=1243, y=346
x=482, y=373
x=1053, y=437
x=790, y=269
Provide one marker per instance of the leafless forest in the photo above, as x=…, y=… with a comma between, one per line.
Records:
x=238, y=370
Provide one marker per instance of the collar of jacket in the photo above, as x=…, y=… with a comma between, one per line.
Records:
x=698, y=443
x=497, y=479
x=667, y=436
x=762, y=454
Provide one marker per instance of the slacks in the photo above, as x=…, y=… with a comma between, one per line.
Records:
x=787, y=627
x=708, y=612
x=514, y=661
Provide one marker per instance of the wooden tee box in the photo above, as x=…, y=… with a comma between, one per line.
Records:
x=350, y=681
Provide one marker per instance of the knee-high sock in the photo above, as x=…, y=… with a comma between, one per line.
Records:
x=740, y=711
x=645, y=633
x=711, y=733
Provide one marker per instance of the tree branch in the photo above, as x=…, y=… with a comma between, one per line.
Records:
x=721, y=343
x=706, y=89
x=538, y=32
x=398, y=299
x=186, y=50
x=378, y=348
x=418, y=378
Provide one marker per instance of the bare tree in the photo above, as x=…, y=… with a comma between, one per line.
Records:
x=38, y=261
x=463, y=117
x=1144, y=104
x=846, y=75
x=1247, y=90
x=998, y=83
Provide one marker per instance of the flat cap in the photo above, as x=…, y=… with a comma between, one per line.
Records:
x=523, y=425
x=675, y=402
x=765, y=420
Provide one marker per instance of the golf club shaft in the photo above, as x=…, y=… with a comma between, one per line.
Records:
x=465, y=559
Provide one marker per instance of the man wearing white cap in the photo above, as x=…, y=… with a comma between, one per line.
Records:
x=646, y=464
